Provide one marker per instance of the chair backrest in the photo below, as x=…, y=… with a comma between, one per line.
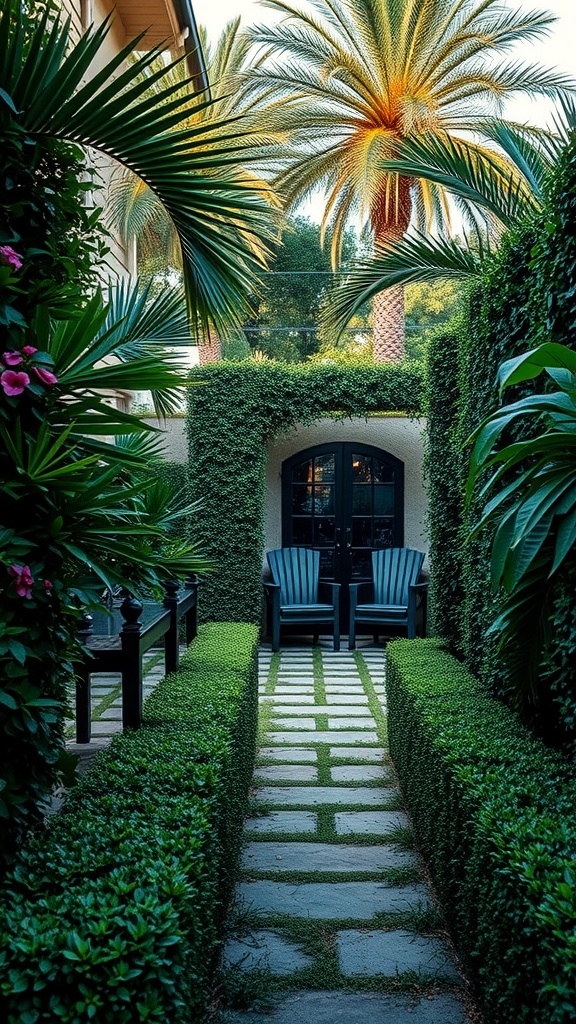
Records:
x=297, y=571
x=395, y=569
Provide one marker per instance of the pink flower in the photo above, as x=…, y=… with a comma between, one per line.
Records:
x=12, y=358
x=10, y=257
x=14, y=382
x=29, y=350
x=23, y=580
x=47, y=585
x=46, y=376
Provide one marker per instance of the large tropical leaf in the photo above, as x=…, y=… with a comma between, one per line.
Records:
x=532, y=514
x=222, y=219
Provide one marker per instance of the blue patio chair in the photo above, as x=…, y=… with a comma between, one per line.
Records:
x=293, y=594
x=397, y=594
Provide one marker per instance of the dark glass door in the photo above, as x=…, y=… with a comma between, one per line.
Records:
x=345, y=500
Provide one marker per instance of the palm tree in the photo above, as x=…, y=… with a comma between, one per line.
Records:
x=134, y=209
x=221, y=219
x=494, y=191
x=352, y=80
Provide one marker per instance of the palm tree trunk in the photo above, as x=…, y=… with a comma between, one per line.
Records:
x=390, y=219
x=209, y=349
x=389, y=325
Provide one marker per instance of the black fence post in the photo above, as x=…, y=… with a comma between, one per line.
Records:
x=131, y=610
x=83, y=694
x=171, y=645
x=191, y=583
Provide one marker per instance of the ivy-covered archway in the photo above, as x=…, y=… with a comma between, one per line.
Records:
x=231, y=416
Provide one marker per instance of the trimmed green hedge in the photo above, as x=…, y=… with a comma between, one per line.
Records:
x=231, y=419
x=113, y=912
x=494, y=813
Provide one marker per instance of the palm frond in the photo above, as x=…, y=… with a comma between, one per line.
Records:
x=416, y=258
x=223, y=222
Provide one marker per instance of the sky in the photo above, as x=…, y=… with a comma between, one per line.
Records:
x=558, y=50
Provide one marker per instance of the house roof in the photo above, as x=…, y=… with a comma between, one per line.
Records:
x=170, y=21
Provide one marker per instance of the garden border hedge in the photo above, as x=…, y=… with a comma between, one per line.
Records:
x=113, y=912
x=231, y=419
x=494, y=813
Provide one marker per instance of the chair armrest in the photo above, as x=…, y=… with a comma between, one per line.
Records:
x=419, y=586
x=334, y=587
x=269, y=587
x=353, y=589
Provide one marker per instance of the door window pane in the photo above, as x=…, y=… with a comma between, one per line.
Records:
x=361, y=468
x=324, y=530
x=384, y=500
x=301, y=531
x=301, y=500
x=383, y=473
x=302, y=473
x=324, y=468
x=324, y=501
x=361, y=499
x=361, y=532
x=384, y=532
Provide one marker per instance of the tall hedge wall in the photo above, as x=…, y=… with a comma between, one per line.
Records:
x=526, y=295
x=494, y=813
x=230, y=420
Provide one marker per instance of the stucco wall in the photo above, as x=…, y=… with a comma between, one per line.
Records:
x=174, y=445
x=394, y=434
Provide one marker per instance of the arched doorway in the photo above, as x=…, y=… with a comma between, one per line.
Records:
x=344, y=500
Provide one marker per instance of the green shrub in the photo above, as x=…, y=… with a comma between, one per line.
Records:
x=230, y=421
x=494, y=813
x=113, y=911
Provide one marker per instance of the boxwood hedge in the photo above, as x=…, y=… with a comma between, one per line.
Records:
x=494, y=813
x=113, y=912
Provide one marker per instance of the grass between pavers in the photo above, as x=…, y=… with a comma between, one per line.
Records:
x=387, y=876
x=272, y=677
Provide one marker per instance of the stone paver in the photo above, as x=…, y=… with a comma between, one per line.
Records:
x=346, y=698
x=287, y=773
x=313, y=795
x=295, y=723
x=377, y=823
x=360, y=773
x=322, y=736
x=356, y=1008
x=323, y=709
x=351, y=723
x=283, y=821
x=264, y=950
x=372, y=754
x=288, y=699
x=324, y=857
x=332, y=901
x=370, y=953
x=299, y=755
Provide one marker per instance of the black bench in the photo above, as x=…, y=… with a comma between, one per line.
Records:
x=116, y=641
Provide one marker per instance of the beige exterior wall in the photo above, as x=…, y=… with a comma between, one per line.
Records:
x=174, y=444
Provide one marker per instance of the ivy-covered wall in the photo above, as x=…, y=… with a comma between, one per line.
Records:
x=230, y=419
x=526, y=296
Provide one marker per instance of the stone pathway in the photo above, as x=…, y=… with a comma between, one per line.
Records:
x=333, y=921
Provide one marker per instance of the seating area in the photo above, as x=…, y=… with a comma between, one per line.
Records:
x=398, y=595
